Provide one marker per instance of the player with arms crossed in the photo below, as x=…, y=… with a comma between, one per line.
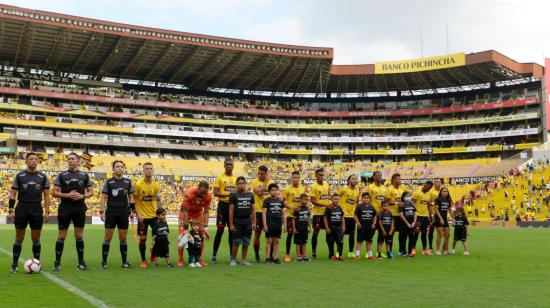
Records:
x=29, y=187
x=146, y=193
x=73, y=187
x=117, y=195
x=195, y=206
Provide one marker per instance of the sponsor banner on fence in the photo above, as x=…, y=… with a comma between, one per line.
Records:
x=534, y=224
x=472, y=180
x=460, y=180
x=422, y=64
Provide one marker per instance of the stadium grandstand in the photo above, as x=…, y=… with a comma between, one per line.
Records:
x=187, y=101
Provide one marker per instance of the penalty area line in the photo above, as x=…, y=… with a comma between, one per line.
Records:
x=65, y=285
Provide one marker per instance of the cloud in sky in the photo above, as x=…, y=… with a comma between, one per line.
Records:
x=360, y=31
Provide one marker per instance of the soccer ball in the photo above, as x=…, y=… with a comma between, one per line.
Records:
x=32, y=266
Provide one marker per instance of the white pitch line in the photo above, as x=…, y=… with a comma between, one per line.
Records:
x=65, y=285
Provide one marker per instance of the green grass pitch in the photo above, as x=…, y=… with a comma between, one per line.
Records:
x=507, y=267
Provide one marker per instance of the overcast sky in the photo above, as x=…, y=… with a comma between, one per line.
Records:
x=360, y=31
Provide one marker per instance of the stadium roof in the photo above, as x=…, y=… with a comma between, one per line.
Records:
x=70, y=44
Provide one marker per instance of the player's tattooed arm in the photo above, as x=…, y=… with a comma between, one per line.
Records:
x=160, y=205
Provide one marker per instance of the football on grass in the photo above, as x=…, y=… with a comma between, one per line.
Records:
x=32, y=266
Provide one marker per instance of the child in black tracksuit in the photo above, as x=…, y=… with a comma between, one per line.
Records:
x=301, y=227
x=160, y=239
x=407, y=214
x=461, y=230
x=335, y=226
x=194, y=245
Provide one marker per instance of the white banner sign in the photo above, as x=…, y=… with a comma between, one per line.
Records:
x=364, y=139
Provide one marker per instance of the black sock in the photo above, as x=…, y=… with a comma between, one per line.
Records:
x=80, y=250
x=142, y=250
x=230, y=241
x=105, y=250
x=351, y=242
x=123, y=251
x=16, y=252
x=314, y=244
x=431, y=238
x=330, y=250
x=217, y=242
x=59, y=244
x=36, y=248
x=288, y=243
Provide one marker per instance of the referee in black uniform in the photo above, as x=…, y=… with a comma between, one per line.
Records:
x=29, y=186
x=117, y=194
x=72, y=187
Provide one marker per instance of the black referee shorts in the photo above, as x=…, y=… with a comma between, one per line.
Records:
x=68, y=214
x=28, y=214
x=117, y=218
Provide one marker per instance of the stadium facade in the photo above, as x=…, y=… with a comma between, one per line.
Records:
x=73, y=83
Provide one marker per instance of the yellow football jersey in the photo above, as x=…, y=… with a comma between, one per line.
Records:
x=422, y=201
x=291, y=196
x=394, y=195
x=434, y=193
x=226, y=184
x=377, y=195
x=322, y=194
x=259, y=199
x=348, y=200
x=145, y=197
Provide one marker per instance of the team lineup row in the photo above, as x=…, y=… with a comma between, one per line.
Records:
x=346, y=212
